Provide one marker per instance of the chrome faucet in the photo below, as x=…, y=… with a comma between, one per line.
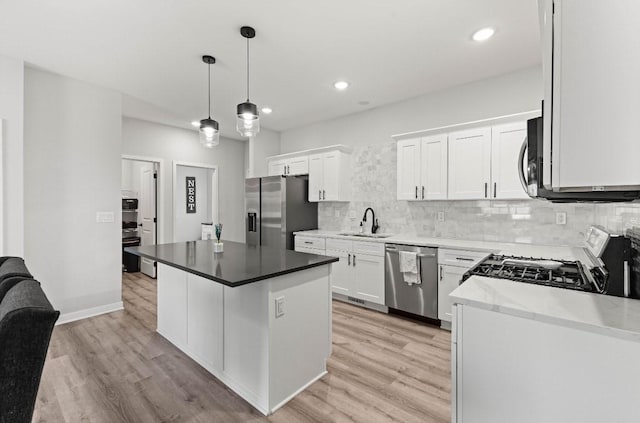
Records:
x=374, y=221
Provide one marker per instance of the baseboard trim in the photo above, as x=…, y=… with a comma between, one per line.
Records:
x=89, y=312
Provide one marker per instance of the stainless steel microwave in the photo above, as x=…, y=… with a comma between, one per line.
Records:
x=532, y=179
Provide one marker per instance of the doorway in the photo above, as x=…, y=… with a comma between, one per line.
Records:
x=195, y=199
x=140, y=218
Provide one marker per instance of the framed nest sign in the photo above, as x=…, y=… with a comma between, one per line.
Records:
x=191, y=194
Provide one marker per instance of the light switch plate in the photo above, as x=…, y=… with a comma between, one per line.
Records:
x=352, y=214
x=336, y=213
x=105, y=217
x=561, y=218
x=279, y=307
x=440, y=216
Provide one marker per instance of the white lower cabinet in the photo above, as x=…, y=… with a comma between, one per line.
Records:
x=360, y=272
x=452, y=265
x=369, y=277
x=188, y=306
x=341, y=280
x=449, y=279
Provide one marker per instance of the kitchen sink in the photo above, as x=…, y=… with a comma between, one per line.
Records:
x=366, y=235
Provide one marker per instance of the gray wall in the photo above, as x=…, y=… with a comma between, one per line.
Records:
x=188, y=225
x=265, y=144
x=72, y=168
x=12, y=113
x=142, y=138
x=515, y=92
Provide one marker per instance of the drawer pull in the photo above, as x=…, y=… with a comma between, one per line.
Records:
x=464, y=259
x=308, y=242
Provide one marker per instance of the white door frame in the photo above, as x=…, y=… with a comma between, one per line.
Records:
x=159, y=194
x=215, y=206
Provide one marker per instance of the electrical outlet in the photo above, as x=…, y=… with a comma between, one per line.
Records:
x=104, y=217
x=352, y=214
x=279, y=307
x=561, y=218
x=336, y=213
x=441, y=216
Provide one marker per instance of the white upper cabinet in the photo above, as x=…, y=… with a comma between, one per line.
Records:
x=277, y=167
x=434, y=167
x=422, y=168
x=316, y=177
x=329, y=176
x=290, y=166
x=592, y=93
x=470, y=164
x=298, y=165
x=409, y=169
x=506, y=141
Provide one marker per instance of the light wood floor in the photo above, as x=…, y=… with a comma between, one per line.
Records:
x=115, y=368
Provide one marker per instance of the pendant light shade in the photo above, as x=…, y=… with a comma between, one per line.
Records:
x=209, y=130
x=248, y=119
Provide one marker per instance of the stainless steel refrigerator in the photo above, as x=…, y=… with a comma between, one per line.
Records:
x=276, y=207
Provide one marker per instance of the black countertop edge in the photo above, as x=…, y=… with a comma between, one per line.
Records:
x=239, y=283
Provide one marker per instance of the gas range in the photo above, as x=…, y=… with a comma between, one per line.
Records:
x=556, y=273
x=609, y=255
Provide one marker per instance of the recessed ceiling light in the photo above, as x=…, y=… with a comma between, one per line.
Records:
x=483, y=34
x=195, y=123
x=266, y=110
x=341, y=85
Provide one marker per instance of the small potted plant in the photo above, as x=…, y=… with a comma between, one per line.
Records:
x=218, y=246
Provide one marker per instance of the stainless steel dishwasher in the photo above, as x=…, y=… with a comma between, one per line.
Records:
x=420, y=299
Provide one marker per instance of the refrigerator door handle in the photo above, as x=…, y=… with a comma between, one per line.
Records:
x=252, y=222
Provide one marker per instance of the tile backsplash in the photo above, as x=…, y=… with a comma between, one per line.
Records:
x=374, y=185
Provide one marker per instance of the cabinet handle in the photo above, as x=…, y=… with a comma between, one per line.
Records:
x=319, y=194
x=354, y=259
x=288, y=170
x=349, y=260
x=416, y=192
x=308, y=242
x=441, y=271
x=495, y=189
x=324, y=197
x=464, y=259
x=423, y=192
x=485, y=190
x=284, y=169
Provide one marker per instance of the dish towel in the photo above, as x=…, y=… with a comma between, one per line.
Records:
x=409, y=267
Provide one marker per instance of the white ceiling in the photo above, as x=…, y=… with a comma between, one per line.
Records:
x=389, y=50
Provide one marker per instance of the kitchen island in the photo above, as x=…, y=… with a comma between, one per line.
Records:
x=257, y=318
x=531, y=353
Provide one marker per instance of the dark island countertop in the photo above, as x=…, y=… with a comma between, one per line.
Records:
x=238, y=265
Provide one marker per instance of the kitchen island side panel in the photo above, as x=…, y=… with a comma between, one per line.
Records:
x=300, y=338
x=514, y=369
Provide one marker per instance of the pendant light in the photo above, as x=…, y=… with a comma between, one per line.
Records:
x=209, y=132
x=248, y=121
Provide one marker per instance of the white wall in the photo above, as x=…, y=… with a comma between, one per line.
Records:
x=12, y=112
x=188, y=225
x=141, y=138
x=72, y=167
x=515, y=92
x=265, y=144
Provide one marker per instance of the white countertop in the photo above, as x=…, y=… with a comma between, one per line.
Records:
x=604, y=314
x=507, y=248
